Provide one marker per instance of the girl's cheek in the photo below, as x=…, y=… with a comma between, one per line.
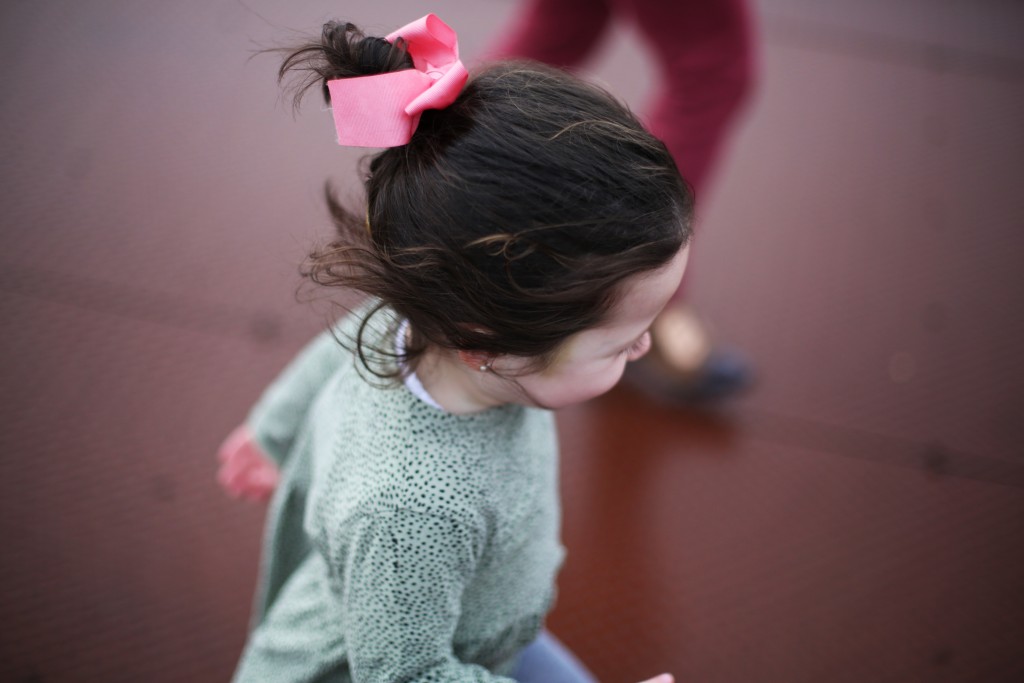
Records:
x=580, y=383
x=584, y=389
x=609, y=380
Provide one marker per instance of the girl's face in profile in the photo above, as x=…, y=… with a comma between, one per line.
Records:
x=592, y=362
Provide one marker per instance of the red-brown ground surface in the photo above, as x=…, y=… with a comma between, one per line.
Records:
x=859, y=516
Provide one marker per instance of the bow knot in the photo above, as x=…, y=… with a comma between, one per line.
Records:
x=383, y=110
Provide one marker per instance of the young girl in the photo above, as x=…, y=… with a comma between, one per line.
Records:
x=521, y=233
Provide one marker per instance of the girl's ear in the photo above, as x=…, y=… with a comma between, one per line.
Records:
x=476, y=360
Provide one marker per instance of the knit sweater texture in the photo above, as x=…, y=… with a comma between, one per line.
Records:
x=403, y=543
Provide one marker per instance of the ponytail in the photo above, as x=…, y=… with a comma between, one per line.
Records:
x=343, y=51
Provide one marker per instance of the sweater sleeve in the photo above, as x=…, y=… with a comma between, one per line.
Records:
x=276, y=418
x=401, y=591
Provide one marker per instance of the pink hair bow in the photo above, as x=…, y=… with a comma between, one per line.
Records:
x=383, y=110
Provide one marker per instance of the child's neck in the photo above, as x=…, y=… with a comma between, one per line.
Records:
x=457, y=388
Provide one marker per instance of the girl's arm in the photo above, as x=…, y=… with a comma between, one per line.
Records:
x=251, y=455
x=276, y=418
x=404, y=576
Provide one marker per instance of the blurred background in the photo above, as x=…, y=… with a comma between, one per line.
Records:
x=857, y=516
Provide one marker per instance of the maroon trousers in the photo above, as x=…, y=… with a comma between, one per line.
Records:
x=702, y=46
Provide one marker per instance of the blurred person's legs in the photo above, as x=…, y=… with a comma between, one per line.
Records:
x=547, y=660
x=704, y=50
x=557, y=32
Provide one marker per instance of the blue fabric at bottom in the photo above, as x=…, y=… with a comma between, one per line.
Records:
x=546, y=660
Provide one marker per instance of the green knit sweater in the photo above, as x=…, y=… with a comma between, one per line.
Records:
x=403, y=543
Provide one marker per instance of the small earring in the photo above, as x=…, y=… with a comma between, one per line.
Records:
x=485, y=368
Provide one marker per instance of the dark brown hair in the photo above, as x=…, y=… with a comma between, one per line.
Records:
x=510, y=220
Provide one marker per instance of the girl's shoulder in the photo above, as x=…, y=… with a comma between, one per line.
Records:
x=389, y=436
x=388, y=449
x=379, y=446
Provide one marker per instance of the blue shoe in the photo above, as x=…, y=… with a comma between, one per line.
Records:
x=717, y=373
x=726, y=372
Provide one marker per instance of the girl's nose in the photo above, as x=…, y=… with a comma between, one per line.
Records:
x=643, y=346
